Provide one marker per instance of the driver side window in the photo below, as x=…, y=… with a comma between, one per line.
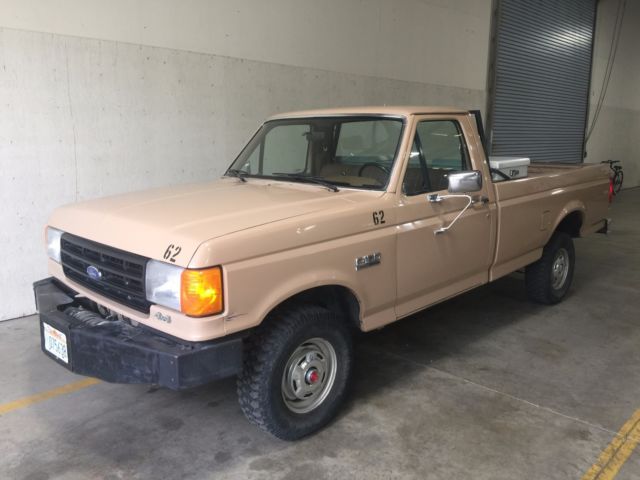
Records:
x=438, y=149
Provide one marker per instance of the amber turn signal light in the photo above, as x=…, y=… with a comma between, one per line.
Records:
x=201, y=292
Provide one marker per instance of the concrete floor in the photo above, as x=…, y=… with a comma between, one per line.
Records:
x=485, y=386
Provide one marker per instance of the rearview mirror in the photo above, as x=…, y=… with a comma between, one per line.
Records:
x=465, y=182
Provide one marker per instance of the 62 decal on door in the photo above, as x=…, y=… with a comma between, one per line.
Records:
x=172, y=252
x=378, y=217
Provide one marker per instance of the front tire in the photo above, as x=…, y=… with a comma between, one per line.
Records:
x=296, y=371
x=548, y=280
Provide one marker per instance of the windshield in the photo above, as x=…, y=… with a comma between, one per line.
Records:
x=341, y=151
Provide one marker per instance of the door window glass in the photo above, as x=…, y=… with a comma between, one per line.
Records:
x=438, y=149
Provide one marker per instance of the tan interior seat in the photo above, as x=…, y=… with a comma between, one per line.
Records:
x=437, y=179
x=413, y=180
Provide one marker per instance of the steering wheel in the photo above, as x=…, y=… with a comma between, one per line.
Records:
x=384, y=169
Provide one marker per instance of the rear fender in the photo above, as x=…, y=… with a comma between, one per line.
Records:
x=572, y=208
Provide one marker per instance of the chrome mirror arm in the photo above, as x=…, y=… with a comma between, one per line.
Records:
x=436, y=198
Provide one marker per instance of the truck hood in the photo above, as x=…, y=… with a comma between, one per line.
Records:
x=148, y=222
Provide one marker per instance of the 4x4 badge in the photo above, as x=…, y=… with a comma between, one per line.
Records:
x=163, y=318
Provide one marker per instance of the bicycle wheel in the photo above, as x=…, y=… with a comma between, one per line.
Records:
x=617, y=181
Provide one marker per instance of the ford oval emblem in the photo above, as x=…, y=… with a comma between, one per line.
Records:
x=94, y=273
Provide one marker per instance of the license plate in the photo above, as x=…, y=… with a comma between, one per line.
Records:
x=55, y=342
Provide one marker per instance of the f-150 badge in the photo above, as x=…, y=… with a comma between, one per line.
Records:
x=368, y=260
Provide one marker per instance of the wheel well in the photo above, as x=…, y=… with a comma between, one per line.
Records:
x=571, y=224
x=336, y=298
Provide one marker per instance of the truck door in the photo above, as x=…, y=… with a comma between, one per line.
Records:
x=433, y=267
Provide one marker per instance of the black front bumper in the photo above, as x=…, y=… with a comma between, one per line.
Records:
x=118, y=352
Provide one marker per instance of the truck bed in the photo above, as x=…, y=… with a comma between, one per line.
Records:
x=543, y=178
x=540, y=169
x=529, y=209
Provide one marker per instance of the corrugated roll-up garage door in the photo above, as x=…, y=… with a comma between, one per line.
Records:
x=542, y=68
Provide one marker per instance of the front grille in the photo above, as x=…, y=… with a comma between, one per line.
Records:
x=121, y=274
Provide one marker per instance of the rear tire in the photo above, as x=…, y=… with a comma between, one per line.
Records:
x=296, y=372
x=548, y=280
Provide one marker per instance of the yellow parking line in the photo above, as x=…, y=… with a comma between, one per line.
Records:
x=617, y=452
x=40, y=397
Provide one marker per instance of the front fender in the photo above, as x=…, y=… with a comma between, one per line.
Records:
x=255, y=287
x=302, y=283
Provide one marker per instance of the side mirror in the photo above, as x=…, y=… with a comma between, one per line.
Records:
x=465, y=182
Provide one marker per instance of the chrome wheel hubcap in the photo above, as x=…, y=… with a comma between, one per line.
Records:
x=560, y=269
x=309, y=375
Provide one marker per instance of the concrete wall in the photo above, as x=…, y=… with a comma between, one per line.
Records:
x=617, y=131
x=104, y=97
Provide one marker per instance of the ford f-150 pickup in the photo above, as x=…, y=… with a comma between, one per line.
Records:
x=328, y=222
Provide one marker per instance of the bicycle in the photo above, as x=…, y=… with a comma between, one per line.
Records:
x=617, y=177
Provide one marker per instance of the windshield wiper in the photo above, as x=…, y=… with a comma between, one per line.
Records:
x=309, y=179
x=240, y=174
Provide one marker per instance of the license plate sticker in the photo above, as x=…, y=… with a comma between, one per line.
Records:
x=55, y=342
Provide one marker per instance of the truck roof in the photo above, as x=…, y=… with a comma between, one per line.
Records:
x=402, y=111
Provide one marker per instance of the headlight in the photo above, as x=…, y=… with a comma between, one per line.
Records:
x=197, y=293
x=53, y=243
x=163, y=284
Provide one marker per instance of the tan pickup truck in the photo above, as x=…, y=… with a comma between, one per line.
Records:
x=328, y=222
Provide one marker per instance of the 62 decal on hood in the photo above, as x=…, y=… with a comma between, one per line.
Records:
x=172, y=252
